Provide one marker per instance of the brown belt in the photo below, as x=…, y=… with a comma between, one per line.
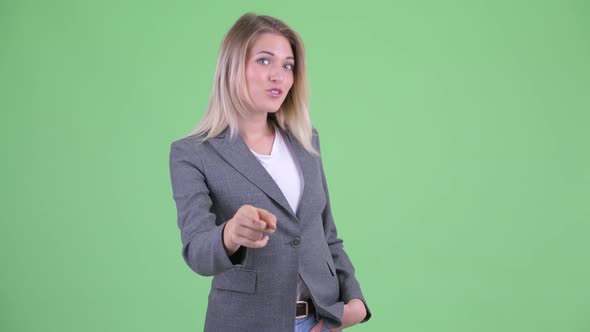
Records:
x=304, y=309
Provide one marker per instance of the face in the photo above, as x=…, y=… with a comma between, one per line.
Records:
x=269, y=72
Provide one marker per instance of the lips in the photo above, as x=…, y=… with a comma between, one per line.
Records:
x=275, y=92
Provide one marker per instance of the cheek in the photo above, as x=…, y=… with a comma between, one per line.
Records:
x=290, y=81
x=252, y=76
x=249, y=78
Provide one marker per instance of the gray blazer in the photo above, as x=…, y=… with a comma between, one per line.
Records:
x=255, y=289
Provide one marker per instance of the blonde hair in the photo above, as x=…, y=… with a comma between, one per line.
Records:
x=229, y=95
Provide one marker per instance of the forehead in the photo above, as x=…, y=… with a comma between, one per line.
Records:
x=270, y=42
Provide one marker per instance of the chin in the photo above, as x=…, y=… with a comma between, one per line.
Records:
x=268, y=108
x=273, y=109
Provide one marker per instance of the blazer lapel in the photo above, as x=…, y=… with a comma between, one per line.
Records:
x=236, y=153
x=306, y=162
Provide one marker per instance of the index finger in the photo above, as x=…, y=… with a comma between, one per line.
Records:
x=269, y=218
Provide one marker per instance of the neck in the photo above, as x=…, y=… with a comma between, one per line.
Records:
x=254, y=125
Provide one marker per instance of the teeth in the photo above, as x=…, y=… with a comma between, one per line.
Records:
x=274, y=92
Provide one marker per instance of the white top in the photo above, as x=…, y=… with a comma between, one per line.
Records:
x=284, y=170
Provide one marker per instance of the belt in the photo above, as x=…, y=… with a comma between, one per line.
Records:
x=304, y=309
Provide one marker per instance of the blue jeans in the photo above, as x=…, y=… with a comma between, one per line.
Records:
x=304, y=325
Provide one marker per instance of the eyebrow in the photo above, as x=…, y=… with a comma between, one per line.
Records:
x=272, y=54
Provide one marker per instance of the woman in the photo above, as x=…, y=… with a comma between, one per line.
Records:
x=251, y=196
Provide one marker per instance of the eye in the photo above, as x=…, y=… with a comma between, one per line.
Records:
x=263, y=61
x=289, y=66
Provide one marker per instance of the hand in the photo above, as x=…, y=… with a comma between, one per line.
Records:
x=354, y=312
x=247, y=228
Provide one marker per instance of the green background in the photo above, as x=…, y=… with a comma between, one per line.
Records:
x=455, y=136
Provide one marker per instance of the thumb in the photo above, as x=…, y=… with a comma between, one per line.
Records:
x=317, y=327
x=269, y=218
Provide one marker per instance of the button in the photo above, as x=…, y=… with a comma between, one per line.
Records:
x=295, y=242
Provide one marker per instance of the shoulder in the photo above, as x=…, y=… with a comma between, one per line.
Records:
x=314, y=132
x=190, y=149
x=315, y=138
x=187, y=144
x=199, y=143
x=188, y=141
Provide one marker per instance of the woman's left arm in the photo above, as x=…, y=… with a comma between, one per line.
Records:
x=350, y=290
x=353, y=313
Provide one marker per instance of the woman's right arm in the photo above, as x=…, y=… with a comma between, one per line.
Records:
x=202, y=239
x=209, y=248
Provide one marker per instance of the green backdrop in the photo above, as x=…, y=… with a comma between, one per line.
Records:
x=455, y=136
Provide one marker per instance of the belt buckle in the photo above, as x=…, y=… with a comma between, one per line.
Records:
x=306, y=309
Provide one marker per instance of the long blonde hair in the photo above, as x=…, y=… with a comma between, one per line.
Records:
x=229, y=95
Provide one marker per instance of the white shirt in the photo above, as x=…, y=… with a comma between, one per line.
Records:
x=283, y=169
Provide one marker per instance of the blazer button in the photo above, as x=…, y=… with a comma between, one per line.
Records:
x=295, y=242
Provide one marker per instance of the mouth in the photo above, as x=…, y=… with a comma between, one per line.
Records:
x=275, y=92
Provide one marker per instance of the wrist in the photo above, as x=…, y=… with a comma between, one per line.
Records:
x=230, y=246
x=358, y=308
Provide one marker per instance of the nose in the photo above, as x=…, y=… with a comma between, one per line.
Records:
x=276, y=74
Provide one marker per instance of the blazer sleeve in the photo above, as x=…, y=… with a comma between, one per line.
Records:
x=349, y=285
x=202, y=237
